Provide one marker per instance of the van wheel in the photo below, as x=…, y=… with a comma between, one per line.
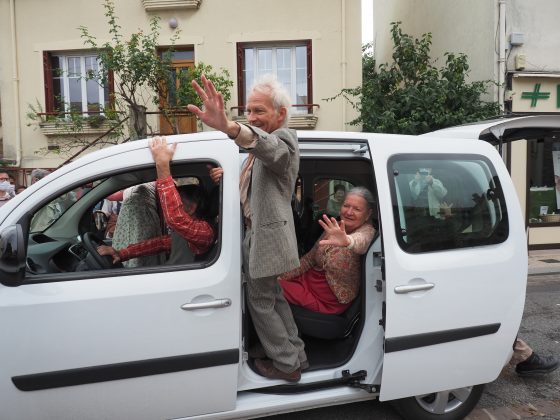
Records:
x=454, y=404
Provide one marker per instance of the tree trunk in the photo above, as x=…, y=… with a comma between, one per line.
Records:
x=137, y=124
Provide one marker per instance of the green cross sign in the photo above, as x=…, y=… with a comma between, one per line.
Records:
x=536, y=94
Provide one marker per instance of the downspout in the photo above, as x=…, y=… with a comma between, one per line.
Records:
x=15, y=81
x=502, y=52
x=343, y=57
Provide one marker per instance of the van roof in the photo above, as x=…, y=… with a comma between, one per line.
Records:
x=505, y=129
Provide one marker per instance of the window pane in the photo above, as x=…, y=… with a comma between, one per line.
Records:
x=544, y=188
x=75, y=97
x=264, y=62
x=59, y=94
x=447, y=203
x=301, y=77
x=183, y=55
x=284, y=68
x=74, y=66
x=287, y=62
x=91, y=64
x=249, y=75
x=328, y=196
x=92, y=88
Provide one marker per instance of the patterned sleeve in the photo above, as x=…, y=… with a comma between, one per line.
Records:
x=361, y=238
x=198, y=233
x=150, y=246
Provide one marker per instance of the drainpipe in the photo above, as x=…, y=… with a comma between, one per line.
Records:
x=343, y=56
x=502, y=52
x=15, y=81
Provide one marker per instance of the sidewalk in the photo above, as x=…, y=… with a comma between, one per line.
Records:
x=544, y=261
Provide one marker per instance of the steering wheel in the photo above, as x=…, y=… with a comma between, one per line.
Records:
x=96, y=261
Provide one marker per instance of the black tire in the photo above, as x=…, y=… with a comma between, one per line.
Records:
x=454, y=404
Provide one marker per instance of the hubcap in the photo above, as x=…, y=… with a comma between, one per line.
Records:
x=444, y=401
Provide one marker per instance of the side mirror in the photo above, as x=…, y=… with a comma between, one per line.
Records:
x=12, y=256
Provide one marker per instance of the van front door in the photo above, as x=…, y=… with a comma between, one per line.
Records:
x=455, y=263
x=153, y=342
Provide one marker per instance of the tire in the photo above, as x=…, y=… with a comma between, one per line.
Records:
x=454, y=404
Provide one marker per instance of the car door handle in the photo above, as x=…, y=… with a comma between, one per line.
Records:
x=413, y=288
x=218, y=303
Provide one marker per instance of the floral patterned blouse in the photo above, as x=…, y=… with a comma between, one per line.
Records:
x=340, y=264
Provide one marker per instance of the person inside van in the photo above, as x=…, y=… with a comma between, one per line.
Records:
x=194, y=237
x=191, y=234
x=335, y=202
x=328, y=279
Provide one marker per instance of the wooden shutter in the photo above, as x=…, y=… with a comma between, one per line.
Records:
x=48, y=76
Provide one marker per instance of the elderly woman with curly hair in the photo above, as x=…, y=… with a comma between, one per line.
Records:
x=328, y=279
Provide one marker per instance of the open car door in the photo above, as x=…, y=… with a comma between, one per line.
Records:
x=456, y=266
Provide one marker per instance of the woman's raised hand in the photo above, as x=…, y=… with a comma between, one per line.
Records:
x=335, y=232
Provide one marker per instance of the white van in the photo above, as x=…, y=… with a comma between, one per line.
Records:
x=440, y=303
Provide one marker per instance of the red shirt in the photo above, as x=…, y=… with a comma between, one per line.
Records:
x=198, y=233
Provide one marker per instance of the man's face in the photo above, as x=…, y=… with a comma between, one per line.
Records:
x=262, y=114
x=190, y=206
x=4, y=177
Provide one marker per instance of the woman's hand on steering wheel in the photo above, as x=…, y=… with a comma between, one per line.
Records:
x=335, y=232
x=109, y=250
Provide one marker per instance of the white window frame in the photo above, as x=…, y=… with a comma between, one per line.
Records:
x=293, y=67
x=83, y=82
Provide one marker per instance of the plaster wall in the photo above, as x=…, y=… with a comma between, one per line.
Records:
x=334, y=27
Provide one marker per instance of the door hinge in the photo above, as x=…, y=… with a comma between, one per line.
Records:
x=379, y=286
x=354, y=380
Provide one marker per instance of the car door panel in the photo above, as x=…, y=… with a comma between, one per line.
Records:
x=120, y=342
x=451, y=314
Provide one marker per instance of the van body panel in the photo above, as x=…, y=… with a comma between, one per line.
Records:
x=459, y=331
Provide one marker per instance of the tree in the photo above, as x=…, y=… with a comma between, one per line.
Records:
x=412, y=96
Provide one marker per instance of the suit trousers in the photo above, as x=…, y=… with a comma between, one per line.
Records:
x=521, y=351
x=272, y=318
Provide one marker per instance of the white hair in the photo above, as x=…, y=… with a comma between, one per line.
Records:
x=365, y=194
x=269, y=85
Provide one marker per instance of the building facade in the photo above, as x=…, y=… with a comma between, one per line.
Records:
x=513, y=43
x=314, y=47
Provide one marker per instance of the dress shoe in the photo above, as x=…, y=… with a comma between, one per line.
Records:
x=536, y=365
x=268, y=370
x=257, y=352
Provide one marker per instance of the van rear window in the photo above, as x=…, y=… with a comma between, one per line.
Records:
x=446, y=202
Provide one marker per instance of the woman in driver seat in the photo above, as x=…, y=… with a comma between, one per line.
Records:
x=328, y=279
x=190, y=235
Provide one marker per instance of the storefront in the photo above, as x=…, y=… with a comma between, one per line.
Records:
x=530, y=146
x=535, y=162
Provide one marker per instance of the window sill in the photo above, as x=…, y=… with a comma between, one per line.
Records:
x=156, y=5
x=296, y=121
x=61, y=128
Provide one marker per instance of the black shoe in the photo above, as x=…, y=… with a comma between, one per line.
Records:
x=537, y=365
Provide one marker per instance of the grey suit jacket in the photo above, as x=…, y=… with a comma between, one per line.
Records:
x=273, y=243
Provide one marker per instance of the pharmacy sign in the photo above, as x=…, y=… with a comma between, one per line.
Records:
x=536, y=94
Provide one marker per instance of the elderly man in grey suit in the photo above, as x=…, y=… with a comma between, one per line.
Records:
x=266, y=185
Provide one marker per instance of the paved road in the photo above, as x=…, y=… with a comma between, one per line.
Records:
x=509, y=397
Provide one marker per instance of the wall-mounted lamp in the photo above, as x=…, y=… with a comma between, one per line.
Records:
x=173, y=23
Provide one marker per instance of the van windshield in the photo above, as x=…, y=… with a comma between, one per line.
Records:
x=53, y=210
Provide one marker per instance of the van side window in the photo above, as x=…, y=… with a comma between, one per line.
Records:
x=124, y=211
x=446, y=202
